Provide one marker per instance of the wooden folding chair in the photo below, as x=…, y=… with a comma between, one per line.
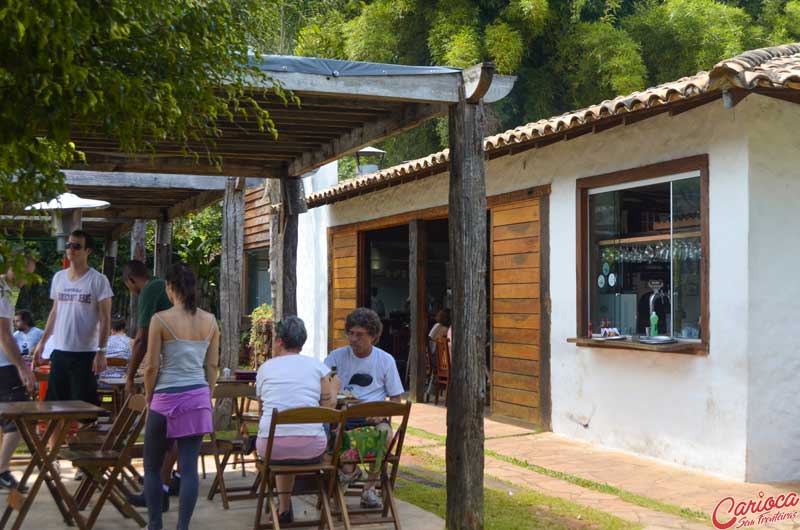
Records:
x=237, y=445
x=388, y=468
x=442, y=367
x=103, y=467
x=322, y=473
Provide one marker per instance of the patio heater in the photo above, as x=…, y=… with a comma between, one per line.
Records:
x=369, y=160
x=66, y=213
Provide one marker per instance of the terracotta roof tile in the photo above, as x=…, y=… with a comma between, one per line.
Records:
x=776, y=68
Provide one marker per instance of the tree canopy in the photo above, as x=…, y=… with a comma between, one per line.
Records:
x=140, y=71
x=567, y=53
x=134, y=71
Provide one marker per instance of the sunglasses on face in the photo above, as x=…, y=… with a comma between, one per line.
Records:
x=74, y=246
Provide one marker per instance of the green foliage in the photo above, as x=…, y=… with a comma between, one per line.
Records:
x=463, y=48
x=783, y=17
x=260, y=339
x=532, y=15
x=324, y=36
x=197, y=241
x=681, y=37
x=504, y=44
x=135, y=72
x=455, y=23
x=347, y=168
x=372, y=35
x=600, y=62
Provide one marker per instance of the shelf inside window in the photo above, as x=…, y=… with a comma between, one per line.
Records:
x=683, y=347
x=647, y=239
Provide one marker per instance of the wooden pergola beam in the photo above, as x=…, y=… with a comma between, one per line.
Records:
x=146, y=180
x=180, y=165
x=194, y=203
x=424, y=88
x=409, y=117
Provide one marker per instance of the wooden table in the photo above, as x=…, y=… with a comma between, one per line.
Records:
x=58, y=415
x=117, y=384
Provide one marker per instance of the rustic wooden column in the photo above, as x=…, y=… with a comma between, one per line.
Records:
x=294, y=203
x=163, y=253
x=416, y=291
x=110, y=259
x=467, y=392
x=138, y=252
x=284, y=224
x=275, y=252
x=230, y=305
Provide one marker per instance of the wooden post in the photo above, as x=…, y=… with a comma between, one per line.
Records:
x=467, y=390
x=294, y=203
x=416, y=291
x=275, y=252
x=230, y=286
x=110, y=259
x=163, y=254
x=138, y=252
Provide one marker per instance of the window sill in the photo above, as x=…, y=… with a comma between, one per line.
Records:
x=687, y=348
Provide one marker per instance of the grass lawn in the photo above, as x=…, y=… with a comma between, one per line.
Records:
x=522, y=510
x=634, y=498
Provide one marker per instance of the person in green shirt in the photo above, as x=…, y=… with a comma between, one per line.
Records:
x=153, y=298
x=152, y=293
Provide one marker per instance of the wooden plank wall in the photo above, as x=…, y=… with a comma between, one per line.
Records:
x=256, y=218
x=343, y=255
x=516, y=319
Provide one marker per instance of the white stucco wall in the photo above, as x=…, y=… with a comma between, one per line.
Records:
x=312, y=265
x=688, y=410
x=773, y=417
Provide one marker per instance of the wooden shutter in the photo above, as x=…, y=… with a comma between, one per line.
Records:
x=515, y=310
x=343, y=252
x=256, y=219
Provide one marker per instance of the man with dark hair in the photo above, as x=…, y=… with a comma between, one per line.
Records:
x=27, y=334
x=371, y=375
x=152, y=294
x=15, y=376
x=80, y=320
x=153, y=298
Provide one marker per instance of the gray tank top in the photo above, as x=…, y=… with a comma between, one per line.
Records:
x=182, y=361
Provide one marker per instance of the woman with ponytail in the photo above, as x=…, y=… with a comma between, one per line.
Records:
x=181, y=369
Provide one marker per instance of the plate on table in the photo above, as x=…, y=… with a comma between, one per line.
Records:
x=615, y=337
x=657, y=339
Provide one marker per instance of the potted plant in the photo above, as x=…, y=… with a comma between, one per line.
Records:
x=261, y=333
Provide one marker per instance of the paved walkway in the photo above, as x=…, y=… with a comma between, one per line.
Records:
x=662, y=482
x=208, y=515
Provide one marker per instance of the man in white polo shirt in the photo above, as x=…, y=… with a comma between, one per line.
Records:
x=16, y=378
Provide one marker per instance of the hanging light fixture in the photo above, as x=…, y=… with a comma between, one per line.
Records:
x=369, y=160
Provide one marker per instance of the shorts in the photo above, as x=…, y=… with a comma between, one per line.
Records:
x=294, y=450
x=11, y=389
x=71, y=377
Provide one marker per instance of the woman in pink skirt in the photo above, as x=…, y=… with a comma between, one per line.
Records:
x=181, y=368
x=287, y=381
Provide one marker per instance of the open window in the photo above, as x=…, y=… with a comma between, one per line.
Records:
x=643, y=252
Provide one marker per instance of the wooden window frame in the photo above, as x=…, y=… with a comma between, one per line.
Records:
x=697, y=163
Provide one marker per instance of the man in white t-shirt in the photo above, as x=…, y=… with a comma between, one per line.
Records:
x=27, y=334
x=80, y=320
x=16, y=378
x=371, y=374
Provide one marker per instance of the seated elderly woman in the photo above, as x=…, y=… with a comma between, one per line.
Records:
x=290, y=380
